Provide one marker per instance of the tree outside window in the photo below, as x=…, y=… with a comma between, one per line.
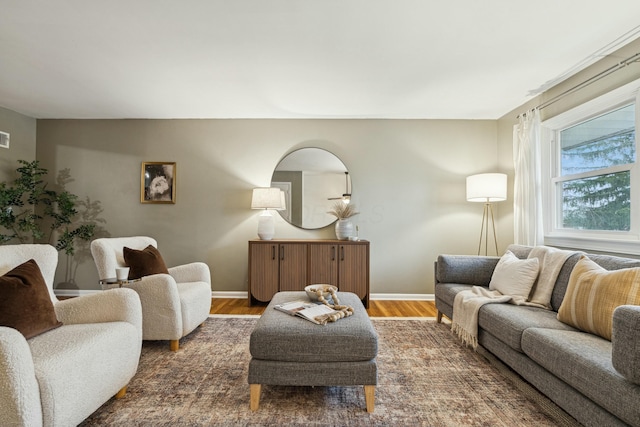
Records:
x=596, y=158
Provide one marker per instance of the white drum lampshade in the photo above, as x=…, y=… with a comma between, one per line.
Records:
x=487, y=187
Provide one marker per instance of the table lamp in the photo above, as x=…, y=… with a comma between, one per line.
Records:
x=267, y=198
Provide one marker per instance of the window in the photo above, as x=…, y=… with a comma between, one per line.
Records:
x=592, y=182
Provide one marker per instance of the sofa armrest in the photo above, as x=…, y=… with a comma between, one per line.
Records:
x=465, y=269
x=193, y=272
x=625, y=342
x=115, y=305
x=19, y=391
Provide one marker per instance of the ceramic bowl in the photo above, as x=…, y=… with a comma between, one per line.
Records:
x=312, y=290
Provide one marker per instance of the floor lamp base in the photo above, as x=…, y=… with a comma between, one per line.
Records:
x=484, y=229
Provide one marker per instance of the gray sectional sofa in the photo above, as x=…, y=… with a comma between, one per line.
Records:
x=573, y=368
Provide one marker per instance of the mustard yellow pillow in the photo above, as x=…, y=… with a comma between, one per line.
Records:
x=593, y=293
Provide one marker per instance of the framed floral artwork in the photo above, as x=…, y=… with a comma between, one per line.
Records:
x=158, y=182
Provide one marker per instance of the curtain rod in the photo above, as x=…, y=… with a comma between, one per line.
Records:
x=610, y=70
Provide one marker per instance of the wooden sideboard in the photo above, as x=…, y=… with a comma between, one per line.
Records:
x=290, y=265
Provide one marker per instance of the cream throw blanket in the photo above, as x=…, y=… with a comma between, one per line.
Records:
x=551, y=262
x=465, y=312
x=467, y=303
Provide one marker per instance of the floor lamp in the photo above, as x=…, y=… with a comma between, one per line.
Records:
x=487, y=188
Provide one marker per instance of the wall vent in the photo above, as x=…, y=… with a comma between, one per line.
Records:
x=4, y=139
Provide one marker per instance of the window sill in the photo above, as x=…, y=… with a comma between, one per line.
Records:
x=630, y=246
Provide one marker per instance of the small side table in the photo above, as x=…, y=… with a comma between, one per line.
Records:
x=112, y=283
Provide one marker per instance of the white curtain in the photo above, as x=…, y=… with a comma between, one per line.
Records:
x=527, y=197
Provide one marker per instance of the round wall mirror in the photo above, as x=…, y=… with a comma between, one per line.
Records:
x=312, y=179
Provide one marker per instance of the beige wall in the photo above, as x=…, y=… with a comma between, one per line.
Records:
x=408, y=183
x=22, y=144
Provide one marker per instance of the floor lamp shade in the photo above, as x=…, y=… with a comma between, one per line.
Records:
x=267, y=198
x=487, y=188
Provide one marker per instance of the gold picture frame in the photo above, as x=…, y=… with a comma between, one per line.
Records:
x=158, y=182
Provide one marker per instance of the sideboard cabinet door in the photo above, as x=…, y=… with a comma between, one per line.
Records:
x=293, y=266
x=353, y=270
x=323, y=263
x=263, y=270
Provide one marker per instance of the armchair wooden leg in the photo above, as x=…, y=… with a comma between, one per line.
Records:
x=120, y=394
x=175, y=345
x=439, y=318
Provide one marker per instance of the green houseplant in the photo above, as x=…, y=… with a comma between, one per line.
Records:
x=32, y=212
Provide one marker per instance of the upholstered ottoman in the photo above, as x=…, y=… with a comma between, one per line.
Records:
x=291, y=351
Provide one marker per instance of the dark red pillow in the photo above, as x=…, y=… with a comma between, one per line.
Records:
x=25, y=303
x=144, y=262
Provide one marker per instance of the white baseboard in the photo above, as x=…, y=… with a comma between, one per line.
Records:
x=402, y=297
x=244, y=295
x=379, y=297
x=230, y=294
x=77, y=293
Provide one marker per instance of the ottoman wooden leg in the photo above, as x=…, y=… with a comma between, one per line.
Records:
x=370, y=397
x=255, y=396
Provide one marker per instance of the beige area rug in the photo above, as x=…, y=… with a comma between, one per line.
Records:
x=425, y=378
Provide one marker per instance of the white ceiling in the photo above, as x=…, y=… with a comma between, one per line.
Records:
x=462, y=59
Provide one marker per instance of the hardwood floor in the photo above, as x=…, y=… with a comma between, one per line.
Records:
x=376, y=308
x=381, y=308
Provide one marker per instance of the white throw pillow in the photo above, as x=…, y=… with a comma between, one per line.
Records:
x=514, y=276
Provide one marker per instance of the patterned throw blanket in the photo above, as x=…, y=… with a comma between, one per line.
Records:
x=467, y=303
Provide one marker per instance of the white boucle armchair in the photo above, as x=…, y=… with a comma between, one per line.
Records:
x=173, y=304
x=62, y=376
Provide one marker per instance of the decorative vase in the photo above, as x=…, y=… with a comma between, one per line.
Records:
x=344, y=229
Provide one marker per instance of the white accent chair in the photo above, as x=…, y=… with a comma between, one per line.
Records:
x=62, y=376
x=173, y=304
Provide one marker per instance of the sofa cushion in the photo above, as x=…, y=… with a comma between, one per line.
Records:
x=25, y=303
x=144, y=262
x=593, y=293
x=513, y=276
x=583, y=361
x=507, y=322
x=447, y=291
x=445, y=294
